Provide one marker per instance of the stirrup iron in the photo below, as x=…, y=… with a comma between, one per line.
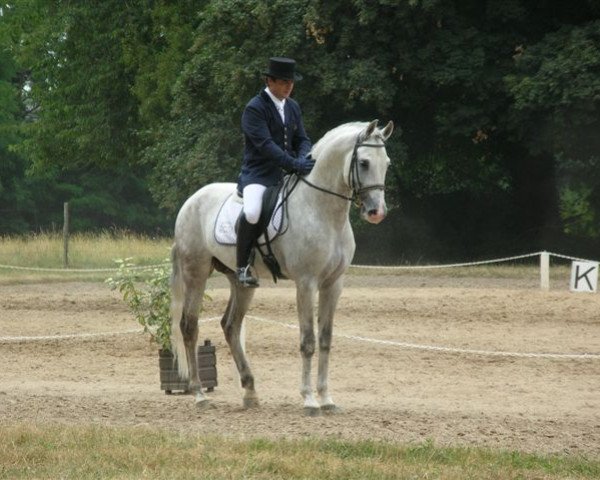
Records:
x=245, y=277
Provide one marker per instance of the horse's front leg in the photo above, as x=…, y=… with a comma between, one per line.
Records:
x=328, y=299
x=305, y=299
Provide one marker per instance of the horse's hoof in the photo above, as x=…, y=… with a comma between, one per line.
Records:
x=251, y=403
x=312, y=411
x=331, y=409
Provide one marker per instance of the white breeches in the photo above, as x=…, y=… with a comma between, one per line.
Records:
x=252, y=196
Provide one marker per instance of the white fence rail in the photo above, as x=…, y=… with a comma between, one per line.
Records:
x=544, y=264
x=543, y=255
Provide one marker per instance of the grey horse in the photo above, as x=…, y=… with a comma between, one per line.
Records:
x=315, y=251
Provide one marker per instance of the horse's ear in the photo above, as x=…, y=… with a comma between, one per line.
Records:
x=369, y=130
x=387, y=131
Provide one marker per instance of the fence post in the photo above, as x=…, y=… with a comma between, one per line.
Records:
x=545, y=271
x=66, y=235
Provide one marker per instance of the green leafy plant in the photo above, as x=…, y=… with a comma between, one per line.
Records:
x=148, y=296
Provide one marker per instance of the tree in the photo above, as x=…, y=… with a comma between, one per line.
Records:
x=203, y=142
x=14, y=194
x=556, y=91
x=87, y=115
x=81, y=131
x=473, y=177
x=497, y=102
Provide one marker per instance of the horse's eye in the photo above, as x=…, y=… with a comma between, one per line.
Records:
x=364, y=163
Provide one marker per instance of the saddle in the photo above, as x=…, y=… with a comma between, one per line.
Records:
x=273, y=222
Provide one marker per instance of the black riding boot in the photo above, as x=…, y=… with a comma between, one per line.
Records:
x=246, y=235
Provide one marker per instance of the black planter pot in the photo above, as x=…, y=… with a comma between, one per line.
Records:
x=170, y=381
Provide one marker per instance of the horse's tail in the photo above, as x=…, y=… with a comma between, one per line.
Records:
x=177, y=299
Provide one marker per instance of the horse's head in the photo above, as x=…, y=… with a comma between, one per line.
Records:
x=366, y=171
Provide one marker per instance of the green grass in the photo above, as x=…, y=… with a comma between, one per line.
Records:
x=86, y=251
x=104, y=453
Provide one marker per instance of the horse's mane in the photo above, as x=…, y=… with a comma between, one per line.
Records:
x=346, y=132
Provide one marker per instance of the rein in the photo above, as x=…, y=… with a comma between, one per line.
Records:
x=324, y=190
x=353, y=176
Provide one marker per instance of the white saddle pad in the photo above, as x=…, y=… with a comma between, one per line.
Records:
x=229, y=213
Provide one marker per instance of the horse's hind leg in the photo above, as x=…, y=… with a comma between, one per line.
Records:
x=194, y=276
x=189, y=328
x=239, y=301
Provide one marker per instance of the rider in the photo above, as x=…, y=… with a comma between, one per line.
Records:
x=274, y=140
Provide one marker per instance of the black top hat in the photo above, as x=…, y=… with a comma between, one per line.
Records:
x=281, y=67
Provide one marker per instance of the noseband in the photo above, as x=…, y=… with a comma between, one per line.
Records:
x=353, y=176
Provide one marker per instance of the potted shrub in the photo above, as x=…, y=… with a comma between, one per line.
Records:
x=147, y=293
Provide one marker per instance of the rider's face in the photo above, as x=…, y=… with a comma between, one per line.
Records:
x=280, y=88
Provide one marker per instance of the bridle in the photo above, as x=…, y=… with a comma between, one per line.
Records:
x=353, y=176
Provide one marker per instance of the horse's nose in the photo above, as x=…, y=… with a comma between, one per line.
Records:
x=376, y=215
